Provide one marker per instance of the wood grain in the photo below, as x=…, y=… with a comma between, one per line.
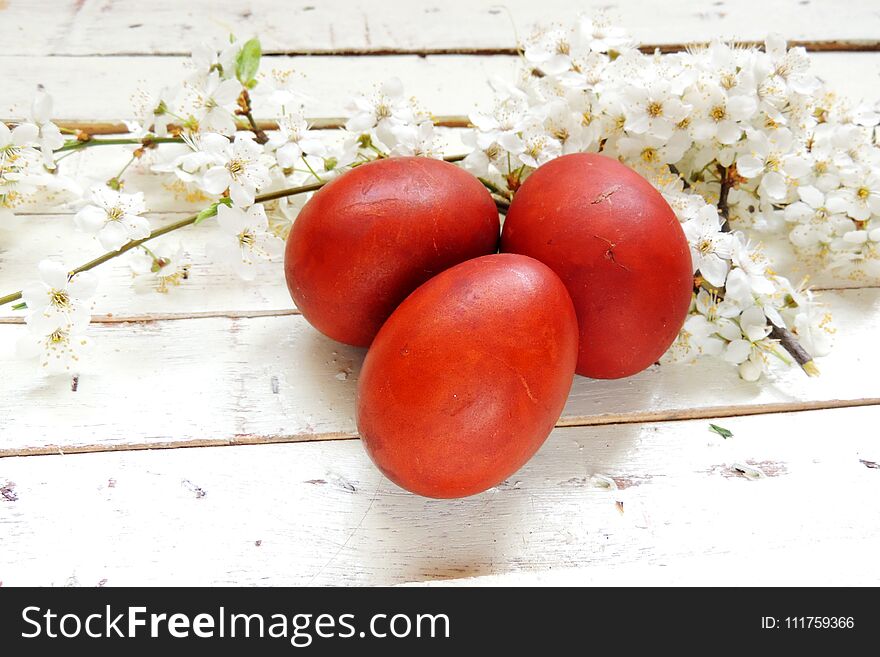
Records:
x=320, y=513
x=213, y=289
x=217, y=362
x=327, y=83
x=70, y=27
x=230, y=380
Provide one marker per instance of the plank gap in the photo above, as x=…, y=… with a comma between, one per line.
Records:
x=812, y=45
x=147, y=318
x=685, y=415
x=173, y=317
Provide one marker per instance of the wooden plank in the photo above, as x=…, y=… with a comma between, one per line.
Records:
x=227, y=380
x=77, y=27
x=427, y=77
x=198, y=381
x=320, y=513
x=777, y=565
x=213, y=288
x=326, y=82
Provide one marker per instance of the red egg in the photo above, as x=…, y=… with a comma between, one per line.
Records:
x=369, y=238
x=468, y=377
x=618, y=247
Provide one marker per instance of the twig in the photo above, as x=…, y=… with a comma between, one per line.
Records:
x=244, y=103
x=723, y=206
x=74, y=145
x=164, y=230
x=315, y=123
x=674, y=170
x=789, y=342
x=786, y=338
x=502, y=204
x=495, y=189
x=188, y=221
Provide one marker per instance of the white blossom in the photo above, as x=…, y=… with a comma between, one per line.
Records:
x=58, y=307
x=711, y=249
x=719, y=115
x=249, y=238
x=653, y=109
x=771, y=157
x=384, y=108
x=861, y=192
x=57, y=297
x=114, y=216
x=791, y=157
x=603, y=37
x=162, y=265
x=813, y=327
x=240, y=167
x=47, y=135
x=58, y=348
x=294, y=140
x=212, y=104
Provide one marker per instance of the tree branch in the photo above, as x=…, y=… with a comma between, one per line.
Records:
x=164, y=230
x=723, y=206
x=786, y=338
x=188, y=221
x=789, y=342
x=77, y=144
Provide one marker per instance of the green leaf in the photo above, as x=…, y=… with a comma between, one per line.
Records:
x=248, y=61
x=721, y=431
x=211, y=210
x=19, y=306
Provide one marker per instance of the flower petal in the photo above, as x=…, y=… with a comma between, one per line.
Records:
x=241, y=195
x=82, y=286
x=728, y=132
x=737, y=351
x=24, y=134
x=113, y=235
x=53, y=274
x=227, y=92
x=216, y=180
x=773, y=183
x=714, y=269
x=811, y=196
x=750, y=370
x=231, y=219
x=749, y=166
x=41, y=110
x=256, y=215
x=90, y=219
x=138, y=227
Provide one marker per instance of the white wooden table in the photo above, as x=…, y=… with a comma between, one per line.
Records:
x=210, y=438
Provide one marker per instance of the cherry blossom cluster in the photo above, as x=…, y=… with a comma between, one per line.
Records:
x=213, y=150
x=735, y=138
x=740, y=141
x=27, y=155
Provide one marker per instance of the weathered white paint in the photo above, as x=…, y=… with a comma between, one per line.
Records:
x=214, y=381
x=212, y=286
x=113, y=88
x=320, y=513
x=70, y=27
x=765, y=566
